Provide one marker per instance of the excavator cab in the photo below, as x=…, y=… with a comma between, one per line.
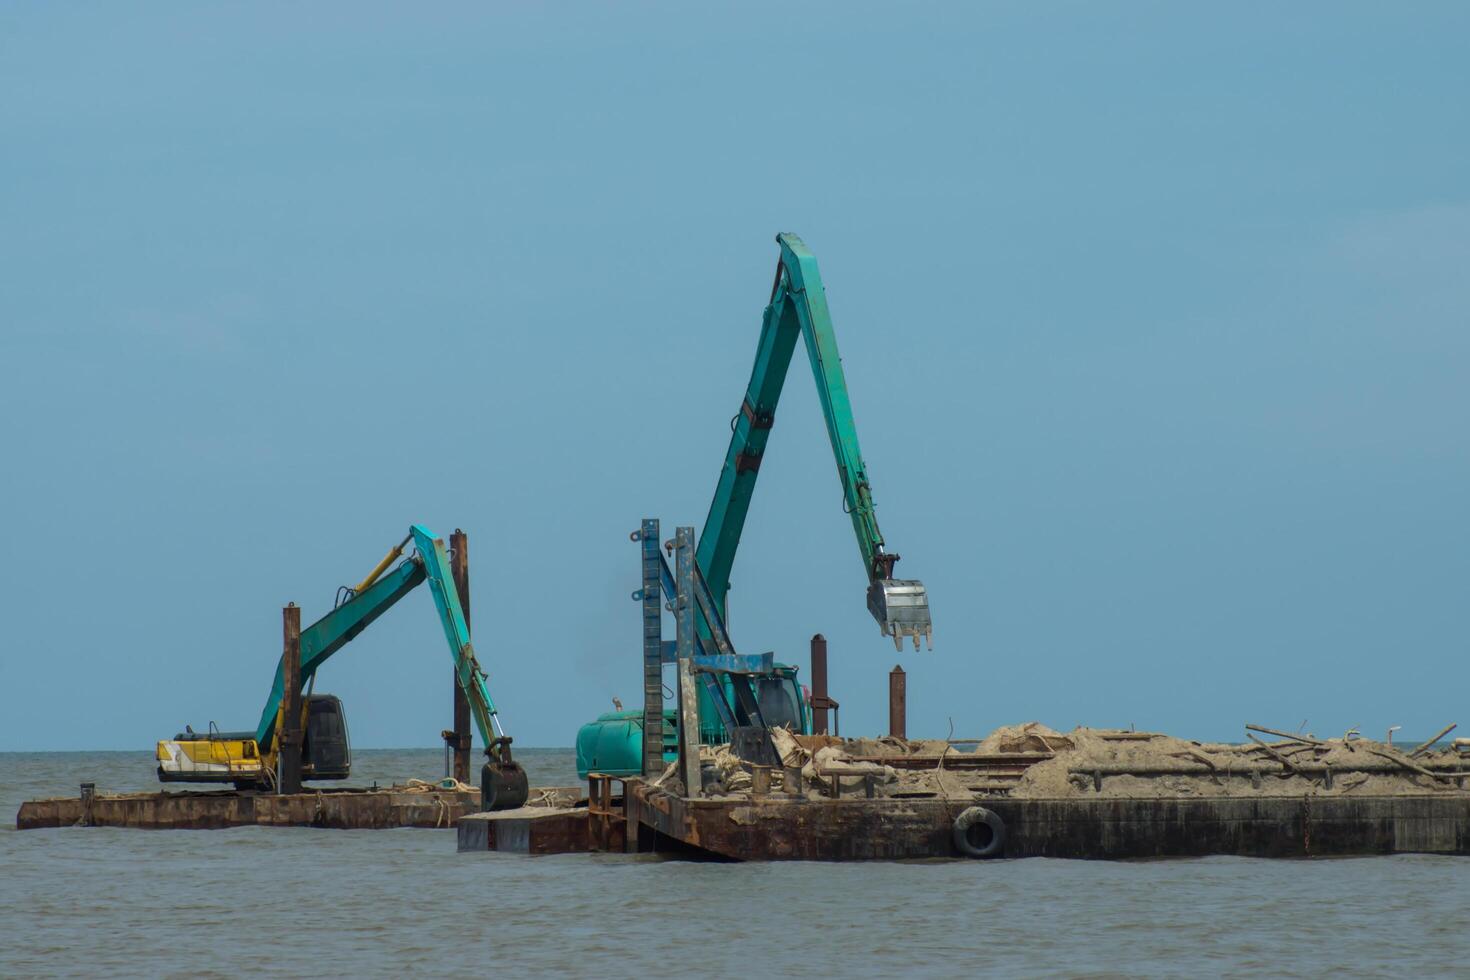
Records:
x=214, y=756
x=780, y=700
x=326, y=752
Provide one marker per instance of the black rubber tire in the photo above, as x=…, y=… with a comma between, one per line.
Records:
x=979, y=833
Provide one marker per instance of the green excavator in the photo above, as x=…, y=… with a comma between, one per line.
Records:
x=797, y=311
x=250, y=760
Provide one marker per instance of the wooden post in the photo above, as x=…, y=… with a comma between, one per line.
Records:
x=460, y=739
x=288, y=759
x=897, y=703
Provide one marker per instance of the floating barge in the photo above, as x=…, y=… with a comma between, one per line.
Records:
x=416, y=804
x=844, y=830
x=1152, y=800
x=648, y=819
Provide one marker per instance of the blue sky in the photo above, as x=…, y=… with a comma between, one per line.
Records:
x=1154, y=315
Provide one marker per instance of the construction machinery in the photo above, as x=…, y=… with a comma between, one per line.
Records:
x=798, y=309
x=252, y=759
x=619, y=743
x=739, y=696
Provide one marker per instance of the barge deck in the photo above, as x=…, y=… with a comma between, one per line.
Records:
x=416, y=804
x=1026, y=791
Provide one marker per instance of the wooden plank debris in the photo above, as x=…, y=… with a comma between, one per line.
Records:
x=1435, y=738
x=1310, y=740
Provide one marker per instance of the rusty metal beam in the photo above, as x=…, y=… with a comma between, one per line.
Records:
x=458, y=738
x=684, y=605
x=819, y=684
x=288, y=759
x=898, y=712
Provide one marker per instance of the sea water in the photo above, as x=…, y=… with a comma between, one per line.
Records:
x=265, y=902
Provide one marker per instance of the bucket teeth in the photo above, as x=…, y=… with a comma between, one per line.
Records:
x=901, y=607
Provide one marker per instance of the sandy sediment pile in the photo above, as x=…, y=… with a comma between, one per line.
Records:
x=1111, y=763
x=1032, y=761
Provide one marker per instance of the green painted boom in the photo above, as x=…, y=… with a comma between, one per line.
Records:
x=798, y=308
x=340, y=626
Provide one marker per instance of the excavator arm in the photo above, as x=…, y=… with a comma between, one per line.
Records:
x=334, y=631
x=798, y=309
x=446, y=599
x=374, y=596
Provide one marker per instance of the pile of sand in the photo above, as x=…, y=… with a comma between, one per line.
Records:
x=1152, y=765
x=1088, y=762
x=1033, y=736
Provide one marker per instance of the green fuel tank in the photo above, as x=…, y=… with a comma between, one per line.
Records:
x=613, y=743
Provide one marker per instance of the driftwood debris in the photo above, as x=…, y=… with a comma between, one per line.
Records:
x=1285, y=748
x=1413, y=766
x=1276, y=755
x=1435, y=738
x=1197, y=756
x=1309, y=739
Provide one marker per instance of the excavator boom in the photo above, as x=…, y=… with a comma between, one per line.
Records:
x=334, y=631
x=374, y=596
x=798, y=309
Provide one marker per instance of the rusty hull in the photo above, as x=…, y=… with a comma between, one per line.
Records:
x=527, y=830
x=784, y=828
x=781, y=828
x=342, y=809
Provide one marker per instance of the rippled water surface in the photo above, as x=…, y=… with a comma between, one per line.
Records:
x=292, y=902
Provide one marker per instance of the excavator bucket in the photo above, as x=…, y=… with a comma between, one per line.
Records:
x=503, y=786
x=901, y=607
x=503, y=783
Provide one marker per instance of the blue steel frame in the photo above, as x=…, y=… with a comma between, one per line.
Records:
x=653, y=650
x=710, y=656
